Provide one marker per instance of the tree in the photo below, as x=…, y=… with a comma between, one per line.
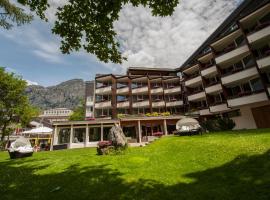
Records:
x=78, y=114
x=14, y=104
x=10, y=14
x=88, y=24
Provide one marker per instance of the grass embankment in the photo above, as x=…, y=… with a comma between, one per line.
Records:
x=232, y=165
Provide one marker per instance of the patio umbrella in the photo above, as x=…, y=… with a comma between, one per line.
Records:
x=40, y=130
x=186, y=122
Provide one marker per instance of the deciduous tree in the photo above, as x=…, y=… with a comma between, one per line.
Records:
x=14, y=104
x=11, y=14
x=78, y=114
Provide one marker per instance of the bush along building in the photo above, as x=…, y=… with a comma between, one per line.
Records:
x=227, y=76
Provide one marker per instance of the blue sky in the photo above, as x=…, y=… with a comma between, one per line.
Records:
x=21, y=53
x=32, y=51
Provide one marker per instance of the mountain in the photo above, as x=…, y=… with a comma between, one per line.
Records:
x=64, y=95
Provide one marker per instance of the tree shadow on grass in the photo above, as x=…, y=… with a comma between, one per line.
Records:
x=245, y=177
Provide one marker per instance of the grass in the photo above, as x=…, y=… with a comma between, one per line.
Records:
x=231, y=165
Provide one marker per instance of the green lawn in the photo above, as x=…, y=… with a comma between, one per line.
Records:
x=233, y=165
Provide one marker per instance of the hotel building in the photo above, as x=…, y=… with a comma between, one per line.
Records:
x=228, y=75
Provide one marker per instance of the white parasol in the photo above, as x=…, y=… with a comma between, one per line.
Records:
x=40, y=130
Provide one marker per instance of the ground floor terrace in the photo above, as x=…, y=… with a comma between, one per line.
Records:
x=138, y=131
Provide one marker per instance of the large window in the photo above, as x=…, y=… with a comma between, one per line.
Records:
x=240, y=40
x=122, y=98
x=64, y=135
x=78, y=135
x=103, y=112
x=94, y=134
x=256, y=84
x=106, y=131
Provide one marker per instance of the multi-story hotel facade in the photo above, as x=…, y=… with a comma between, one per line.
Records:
x=228, y=75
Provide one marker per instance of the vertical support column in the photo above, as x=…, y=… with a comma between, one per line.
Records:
x=101, y=132
x=130, y=96
x=165, y=127
x=71, y=135
x=86, y=138
x=149, y=94
x=140, y=131
x=114, y=98
x=54, y=138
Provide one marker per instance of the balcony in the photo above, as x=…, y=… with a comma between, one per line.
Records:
x=123, y=90
x=174, y=103
x=260, y=32
x=219, y=108
x=197, y=96
x=140, y=90
x=123, y=104
x=264, y=62
x=247, y=98
x=211, y=71
x=240, y=76
x=205, y=112
x=213, y=89
x=139, y=104
x=158, y=104
x=194, y=81
x=232, y=54
x=103, y=104
x=104, y=90
x=172, y=90
x=158, y=90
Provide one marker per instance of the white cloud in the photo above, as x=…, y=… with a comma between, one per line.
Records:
x=37, y=42
x=145, y=40
x=167, y=42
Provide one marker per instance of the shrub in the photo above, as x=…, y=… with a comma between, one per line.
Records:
x=148, y=114
x=219, y=124
x=226, y=124
x=165, y=114
x=119, y=116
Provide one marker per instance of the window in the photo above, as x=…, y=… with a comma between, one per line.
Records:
x=246, y=87
x=156, y=98
x=213, y=80
x=240, y=40
x=256, y=84
x=248, y=61
x=94, y=134
x=206, y=50
x=106, y=131
x=235, y=90
x=122, y=85
x=64, y=135
x=78, y=135
x=218, y=98
x=238, y=65
x=122, y=98
x=265, y=18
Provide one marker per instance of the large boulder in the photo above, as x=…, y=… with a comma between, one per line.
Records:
x=117, y=136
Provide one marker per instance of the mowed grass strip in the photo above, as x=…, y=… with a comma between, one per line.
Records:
x=227, y=165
